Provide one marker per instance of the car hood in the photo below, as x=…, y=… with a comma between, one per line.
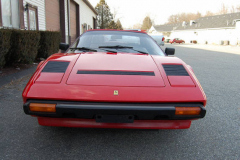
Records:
x=128, y=70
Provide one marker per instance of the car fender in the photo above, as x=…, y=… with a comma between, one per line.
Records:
x=190, y=68
x=39, y=65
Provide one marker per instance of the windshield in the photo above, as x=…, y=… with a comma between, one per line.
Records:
x=157, y=38
x=116, y=41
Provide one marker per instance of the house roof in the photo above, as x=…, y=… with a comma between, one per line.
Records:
x=218, y=21
x=90, y=6
x=167, y=27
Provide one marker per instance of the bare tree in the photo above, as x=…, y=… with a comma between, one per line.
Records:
x=153, y=18
x=178, y=18
x=137, y=26
x=209, y=13
x=147, y=23
x=116, y=14
x=232, y=10
x=173, y=19
x=224, y=9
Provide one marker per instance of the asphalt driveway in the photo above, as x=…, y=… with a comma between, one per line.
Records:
x=217, y=136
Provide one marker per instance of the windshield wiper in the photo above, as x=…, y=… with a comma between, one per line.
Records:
x=117, y=46
x=85, y=49
x=122, y=47
x=140, y=51
x=109, y=50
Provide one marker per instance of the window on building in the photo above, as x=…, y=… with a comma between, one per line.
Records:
x=84, y=27
x=32, y=18
x=10, y=13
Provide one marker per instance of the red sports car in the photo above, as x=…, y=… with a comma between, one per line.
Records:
x=176, y=40
x=114, y=79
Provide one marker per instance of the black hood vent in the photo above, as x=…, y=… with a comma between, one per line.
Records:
x=56, y=66
x=175, y=70
x=136, y=73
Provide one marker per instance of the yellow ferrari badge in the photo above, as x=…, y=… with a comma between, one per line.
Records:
x=115, y=93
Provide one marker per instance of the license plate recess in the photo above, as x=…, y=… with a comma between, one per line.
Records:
x=114, y=118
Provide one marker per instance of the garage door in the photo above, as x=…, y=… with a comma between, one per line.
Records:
x=74, y=20
x=52, y=15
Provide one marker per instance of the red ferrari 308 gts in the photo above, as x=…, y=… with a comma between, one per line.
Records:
x=114, y=79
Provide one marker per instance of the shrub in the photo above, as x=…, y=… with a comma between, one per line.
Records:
x=5, y=44
x=24, y=46
x=49, y=43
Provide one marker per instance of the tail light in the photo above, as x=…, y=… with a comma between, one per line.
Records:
x=41, y=107
x=163, y=38
x=187, y=110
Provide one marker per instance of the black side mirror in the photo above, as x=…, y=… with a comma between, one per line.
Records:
x=63, y=46
x=170, y=51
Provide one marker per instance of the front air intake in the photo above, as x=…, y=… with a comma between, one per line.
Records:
x=175, y=70
x=53, y=72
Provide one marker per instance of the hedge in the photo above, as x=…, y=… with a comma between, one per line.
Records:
x=5, y=39
x=49, y=43
x=21, y=46
x=24, y=46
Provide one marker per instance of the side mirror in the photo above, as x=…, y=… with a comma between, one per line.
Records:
x=63, y=46
x=170, y=51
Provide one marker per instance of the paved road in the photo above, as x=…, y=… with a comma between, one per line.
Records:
x=217, y=136
x=217, y=48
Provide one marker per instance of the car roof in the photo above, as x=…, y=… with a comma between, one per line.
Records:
x=156, y=35
x=116, y=30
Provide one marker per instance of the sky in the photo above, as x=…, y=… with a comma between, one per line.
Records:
x=131, y=12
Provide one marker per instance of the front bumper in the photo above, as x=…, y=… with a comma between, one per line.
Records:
x=116, y=112
x=137, y=124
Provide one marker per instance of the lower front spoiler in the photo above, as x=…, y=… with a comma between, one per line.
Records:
x=91, y=123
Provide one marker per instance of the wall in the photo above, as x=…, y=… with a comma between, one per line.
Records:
x=52, y=8
x=41, y=13
x=211, y=36
x=86, y=15
x=238, y=32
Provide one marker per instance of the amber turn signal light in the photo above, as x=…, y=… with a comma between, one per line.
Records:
x=187, y=110
x=41, y=107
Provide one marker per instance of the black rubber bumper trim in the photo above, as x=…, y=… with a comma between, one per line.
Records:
x=140, y=111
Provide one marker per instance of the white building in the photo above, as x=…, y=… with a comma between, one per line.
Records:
x=70, y=17
x=219, y=29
